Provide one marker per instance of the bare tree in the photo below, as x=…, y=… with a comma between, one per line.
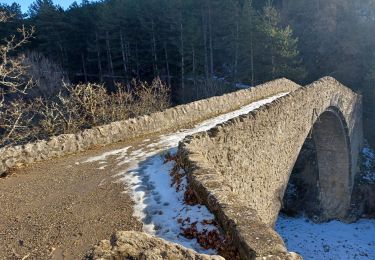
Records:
x=13, y=80
x=12, y=69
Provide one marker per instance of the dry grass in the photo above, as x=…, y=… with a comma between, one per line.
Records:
x=78, y=107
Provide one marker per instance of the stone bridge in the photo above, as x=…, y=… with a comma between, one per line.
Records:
x=240, y=169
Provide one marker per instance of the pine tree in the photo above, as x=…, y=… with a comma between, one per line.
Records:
x=280, y=56
x=50, y=26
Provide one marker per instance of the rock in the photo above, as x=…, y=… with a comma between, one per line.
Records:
x=138, y=245
x=286, y=256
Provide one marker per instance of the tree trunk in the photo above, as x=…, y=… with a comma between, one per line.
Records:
x=137, y=60
x=62, y=51
x=123, y=52
x=155, y=66
x=211, y=40
x=182, y=58
x=99, y=58
x=84, y=67
x=194, y=76
x=128, y=58
x=236, y=47
x=109, y=55
x=251, y=45
x=204, y=31
x=273, y=66
x=167, y=65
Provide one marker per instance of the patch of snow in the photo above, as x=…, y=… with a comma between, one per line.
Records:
x=242, y=86
x=332, y=240
x=172, y=140
x=157, y=203
x=104, y=156
x=368, y=165
x=160, y=206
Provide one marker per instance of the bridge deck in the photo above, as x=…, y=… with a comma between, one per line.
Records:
x=62, y=207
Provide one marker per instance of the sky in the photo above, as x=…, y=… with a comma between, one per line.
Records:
x=26, y=3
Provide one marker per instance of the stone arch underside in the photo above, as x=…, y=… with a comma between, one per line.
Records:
x=240, y=169
x=322, y=174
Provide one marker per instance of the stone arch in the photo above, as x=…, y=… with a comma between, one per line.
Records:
x=325, y=181
x=240, y=168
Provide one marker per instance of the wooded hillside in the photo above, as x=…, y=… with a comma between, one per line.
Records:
x=206, y=47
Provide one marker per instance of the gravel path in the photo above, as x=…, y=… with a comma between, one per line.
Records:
x=59, y=209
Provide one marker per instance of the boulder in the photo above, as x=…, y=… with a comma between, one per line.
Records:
x=138, y=245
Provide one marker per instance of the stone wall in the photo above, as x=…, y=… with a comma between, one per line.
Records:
x=240, y=169
x=170, y=119
x=136, y=245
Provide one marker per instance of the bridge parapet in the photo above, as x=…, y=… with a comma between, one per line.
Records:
x=240, y=169
x=160, y=122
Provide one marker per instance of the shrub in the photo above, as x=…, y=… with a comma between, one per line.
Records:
x=79, y=107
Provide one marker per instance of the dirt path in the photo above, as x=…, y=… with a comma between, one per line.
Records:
x=59, y=209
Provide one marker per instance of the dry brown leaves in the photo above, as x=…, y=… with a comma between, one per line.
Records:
x=207, y=239
x=190, y=197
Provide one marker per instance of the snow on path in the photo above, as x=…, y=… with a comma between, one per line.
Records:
x=104, y=156
x=157, y=204
x=333, y=240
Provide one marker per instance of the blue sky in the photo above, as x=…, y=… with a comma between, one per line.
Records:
x=26, y=3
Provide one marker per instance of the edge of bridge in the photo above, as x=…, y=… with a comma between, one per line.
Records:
x=159, y=122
